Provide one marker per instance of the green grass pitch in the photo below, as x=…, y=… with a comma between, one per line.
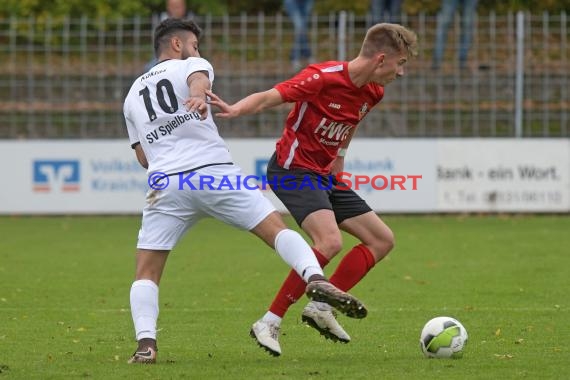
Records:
x=64, y=302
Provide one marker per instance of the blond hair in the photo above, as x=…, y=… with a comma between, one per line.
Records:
x=393, y=38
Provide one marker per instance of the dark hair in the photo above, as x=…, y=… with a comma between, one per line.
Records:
x=169, y=27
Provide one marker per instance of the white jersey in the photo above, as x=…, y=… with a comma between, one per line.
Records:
x=172, y=139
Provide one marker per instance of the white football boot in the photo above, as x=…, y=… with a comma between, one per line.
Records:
x=267, y=336
x=322, y=318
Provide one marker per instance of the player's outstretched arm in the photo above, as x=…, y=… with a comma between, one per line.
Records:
x=198, y=84
x=251, y=104
x=141, y=157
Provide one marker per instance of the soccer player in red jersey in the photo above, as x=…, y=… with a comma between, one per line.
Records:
x=331, y=98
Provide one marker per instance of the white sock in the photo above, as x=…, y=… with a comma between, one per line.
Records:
x=291, y=246
x=144, y=308
x=272, y=318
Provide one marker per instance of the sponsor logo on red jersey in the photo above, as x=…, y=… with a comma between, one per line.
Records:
x=332, y=133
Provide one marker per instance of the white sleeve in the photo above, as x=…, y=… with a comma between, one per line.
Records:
x=199, y=64
x=132, y=131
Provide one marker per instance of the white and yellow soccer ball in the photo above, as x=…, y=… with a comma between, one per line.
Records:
x=443, y=337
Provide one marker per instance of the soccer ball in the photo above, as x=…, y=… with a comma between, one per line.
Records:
x=443, y=337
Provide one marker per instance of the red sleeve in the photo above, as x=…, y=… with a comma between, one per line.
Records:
x=302, y=87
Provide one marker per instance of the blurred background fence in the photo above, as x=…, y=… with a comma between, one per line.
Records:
x=66, y=78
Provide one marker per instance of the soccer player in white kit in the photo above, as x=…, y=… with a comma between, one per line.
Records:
x=170, y=127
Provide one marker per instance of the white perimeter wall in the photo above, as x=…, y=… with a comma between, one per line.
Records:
x=457, y=175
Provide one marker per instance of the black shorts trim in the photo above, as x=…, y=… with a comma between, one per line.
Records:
x=304, y=200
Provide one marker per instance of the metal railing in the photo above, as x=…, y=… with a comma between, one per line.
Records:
x=67, y=78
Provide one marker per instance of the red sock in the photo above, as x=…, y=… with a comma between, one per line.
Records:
x=353, y=267
x=293, y=288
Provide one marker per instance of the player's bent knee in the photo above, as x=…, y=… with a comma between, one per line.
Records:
x=386, y=238
x=383, y=246
x=330, y=246
x=390, y=242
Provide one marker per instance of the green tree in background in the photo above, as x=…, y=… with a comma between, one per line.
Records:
x=75, y=8
x=128, y=8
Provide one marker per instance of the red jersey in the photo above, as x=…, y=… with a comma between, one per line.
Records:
x=328, y=106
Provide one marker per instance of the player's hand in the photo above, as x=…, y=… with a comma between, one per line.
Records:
x=226, y=111
x=197, y=104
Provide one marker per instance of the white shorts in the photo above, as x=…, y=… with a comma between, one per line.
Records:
x=169, y=213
